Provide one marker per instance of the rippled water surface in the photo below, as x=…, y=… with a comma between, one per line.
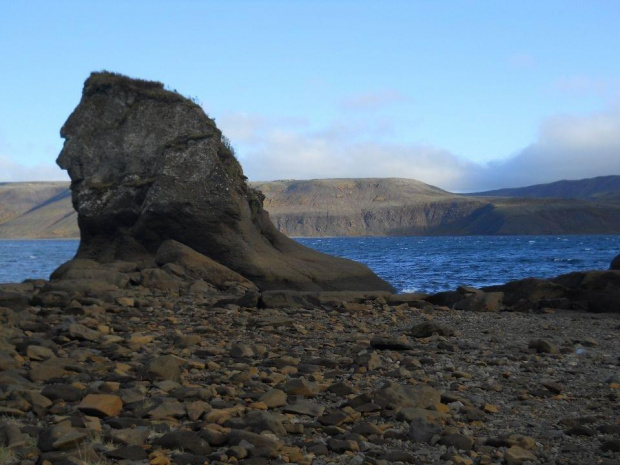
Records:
x=433, y=264
x=25, y=259
x=427, y=264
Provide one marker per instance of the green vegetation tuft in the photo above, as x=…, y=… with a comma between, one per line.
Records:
x=226, y=154
x=103, y=81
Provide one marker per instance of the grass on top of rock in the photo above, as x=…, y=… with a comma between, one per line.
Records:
x=102, y=81
x=226, y=154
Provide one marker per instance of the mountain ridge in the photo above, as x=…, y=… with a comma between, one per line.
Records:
x=366, y=206
x=597, y=188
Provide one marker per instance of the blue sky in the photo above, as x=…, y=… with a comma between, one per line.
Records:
x=466, y=95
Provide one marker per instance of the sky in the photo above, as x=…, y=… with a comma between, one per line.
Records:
x=463, y=95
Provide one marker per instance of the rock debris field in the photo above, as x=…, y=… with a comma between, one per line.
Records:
x=149, y=378
x=187, y=330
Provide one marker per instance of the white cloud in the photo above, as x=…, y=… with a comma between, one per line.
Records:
x=269, y=151
x=568, y=147
x=11, y=171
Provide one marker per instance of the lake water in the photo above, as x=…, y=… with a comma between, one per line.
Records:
x=426, y=264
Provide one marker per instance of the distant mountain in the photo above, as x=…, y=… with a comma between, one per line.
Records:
x=356, y=207
x=37, y=210
x=373, y=207
x=603, y=188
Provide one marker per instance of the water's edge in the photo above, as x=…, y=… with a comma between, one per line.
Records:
x=416, y=263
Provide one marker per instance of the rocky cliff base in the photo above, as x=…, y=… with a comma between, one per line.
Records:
x=147, y=375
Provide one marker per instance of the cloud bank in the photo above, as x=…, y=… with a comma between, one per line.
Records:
x=567, y=147
x=11, y=171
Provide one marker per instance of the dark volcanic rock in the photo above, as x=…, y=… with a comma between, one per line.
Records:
x=147, y=166
x=594, y=291
x=615, y=263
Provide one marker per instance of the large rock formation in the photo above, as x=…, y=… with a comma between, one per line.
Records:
x=148, y=166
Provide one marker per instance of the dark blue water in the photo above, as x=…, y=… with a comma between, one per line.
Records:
x=425, y=264
x=433, y=264
x=23, y=259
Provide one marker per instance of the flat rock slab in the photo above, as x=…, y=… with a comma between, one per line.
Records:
x=101, y=405
x=396, y=395
x=133, y=453
x=305, y=407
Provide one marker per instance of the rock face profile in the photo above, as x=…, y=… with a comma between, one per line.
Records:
x=149, y=169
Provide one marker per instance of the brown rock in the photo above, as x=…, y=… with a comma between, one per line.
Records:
x=47, y=370
x=394, y=395
x=274, y=398
x=517, y=455
x=481, y=302
x=168, y=408
x=101, y=405
x=186, y=440
x=34, y=352
x=301, y=387
x=543, y=346
x=70, y=440
x=458, y=441
x=165, y=367
x=305, y=407
x=11, y=436
x=342, y=445
x=428, y=328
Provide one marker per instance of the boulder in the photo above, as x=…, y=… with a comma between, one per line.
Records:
x=396, y=396
x=166, y=367
x=84, y=269
x=615, y=263
x=198, y=266
x=101, y=405
x=14, y=295
x=428, y=328
x=480, y=302
x=594, y=291
x=148, y=166
x=600, y=290
x=531, y=289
